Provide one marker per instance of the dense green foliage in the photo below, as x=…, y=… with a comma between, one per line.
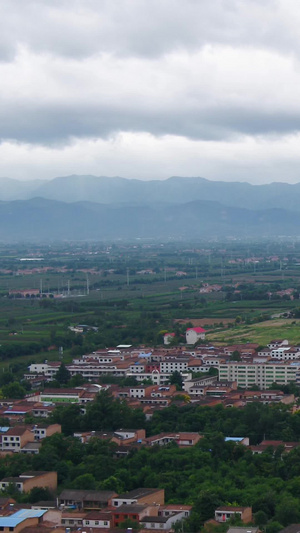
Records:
x=212, y=473
x=207, y=475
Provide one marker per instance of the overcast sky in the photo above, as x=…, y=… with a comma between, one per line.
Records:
x=150, y=88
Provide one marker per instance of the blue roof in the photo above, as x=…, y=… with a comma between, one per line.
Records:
x=11, y=412
x=235, y=439
x=18, y=517
x=4, y=429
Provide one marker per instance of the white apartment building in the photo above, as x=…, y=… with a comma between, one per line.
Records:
x=172, y=365
x=38, y=368
x=261, y=374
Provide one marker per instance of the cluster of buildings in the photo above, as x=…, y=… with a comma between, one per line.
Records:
x=245, y=364
x=106, y=511
x=25, y=438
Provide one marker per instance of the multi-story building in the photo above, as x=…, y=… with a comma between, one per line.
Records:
x=260, y=374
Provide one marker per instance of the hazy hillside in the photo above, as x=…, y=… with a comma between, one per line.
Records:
x=11, y=189
x=174, y=190
x=41, y=219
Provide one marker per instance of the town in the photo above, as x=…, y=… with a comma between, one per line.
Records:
x=151, y=380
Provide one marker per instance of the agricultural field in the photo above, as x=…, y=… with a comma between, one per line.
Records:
x=261, y=333
x=133, y=291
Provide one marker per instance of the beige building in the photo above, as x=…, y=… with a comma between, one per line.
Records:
x=261, y=374
x=15, y=438
x=140, y=496
x=28, y=480
x=24, y=518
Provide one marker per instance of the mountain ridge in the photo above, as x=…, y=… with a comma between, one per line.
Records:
x=174, y=190
x=40, y=219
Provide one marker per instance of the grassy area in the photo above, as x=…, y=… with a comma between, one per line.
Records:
x=261, y=333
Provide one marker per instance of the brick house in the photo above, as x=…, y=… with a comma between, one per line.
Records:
x=28, y=480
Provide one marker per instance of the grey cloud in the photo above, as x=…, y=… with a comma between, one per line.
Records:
x=138, y=27
x=54, y=125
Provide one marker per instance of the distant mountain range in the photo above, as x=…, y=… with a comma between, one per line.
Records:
x=175, y=190
x=43, y=220
x=91, y=208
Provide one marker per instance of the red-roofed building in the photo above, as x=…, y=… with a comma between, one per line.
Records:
x=193, y=335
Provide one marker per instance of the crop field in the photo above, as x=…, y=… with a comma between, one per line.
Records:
x=261, y=333
x=124, y=289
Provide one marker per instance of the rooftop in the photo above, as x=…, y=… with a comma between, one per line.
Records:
x=137, y=493
x=18, y=517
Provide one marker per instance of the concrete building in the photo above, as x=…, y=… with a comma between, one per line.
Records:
x=15, y=439
x=28, y=480
x=263, y=375
x=193, y=335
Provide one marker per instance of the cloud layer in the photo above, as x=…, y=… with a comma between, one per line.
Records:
x=150, y=89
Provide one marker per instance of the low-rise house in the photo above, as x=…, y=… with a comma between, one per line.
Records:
x=61, y=395
x=182, y=439
x=164, y=523
x=199, y=383
x=41, y=431
x=85, y=499
x=98, y=520
x=122, y=437
x=73, y=519
x=28, y=480
x=167, y=510
x=24, y=518
x=277, y=343
x=224, y=513
x=134, y=512
x=42, y=410
x=31, y=447
x=193, y=335
x=140, y=496
x=15, y=439
x=266, y=444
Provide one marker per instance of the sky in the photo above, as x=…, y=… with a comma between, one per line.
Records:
x=150, y=89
